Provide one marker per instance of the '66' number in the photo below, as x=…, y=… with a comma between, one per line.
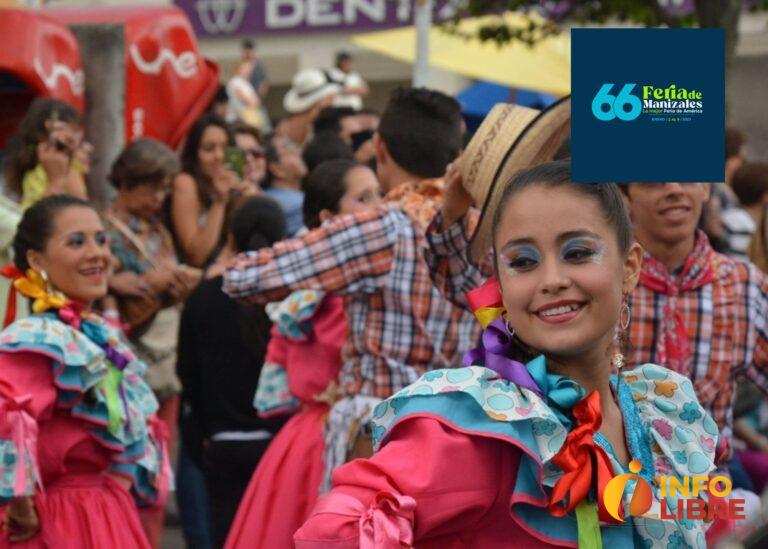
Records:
x=617, y=104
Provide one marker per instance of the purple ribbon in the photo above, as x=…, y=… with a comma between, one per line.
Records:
x=494, y=352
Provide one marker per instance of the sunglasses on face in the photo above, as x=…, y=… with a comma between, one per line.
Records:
x=255, y=153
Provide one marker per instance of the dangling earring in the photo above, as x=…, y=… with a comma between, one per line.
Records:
x=510, y=329
x=624, y=318
x=47, y=282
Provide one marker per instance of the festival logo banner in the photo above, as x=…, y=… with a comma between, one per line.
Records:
x=648, y=105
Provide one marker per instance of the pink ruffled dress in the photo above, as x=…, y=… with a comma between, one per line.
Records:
x=305, y=353
x=74, y=414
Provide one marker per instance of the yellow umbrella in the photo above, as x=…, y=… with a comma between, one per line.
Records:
x=545, y=66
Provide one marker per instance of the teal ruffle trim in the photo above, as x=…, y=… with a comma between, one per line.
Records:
x=79, y=367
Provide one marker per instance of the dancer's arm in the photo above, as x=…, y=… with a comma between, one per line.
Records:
x=27, y=394
x=448, y=237
x=348, y=254
x=410, y=490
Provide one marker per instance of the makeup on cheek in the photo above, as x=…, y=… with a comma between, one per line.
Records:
x=583, y=250
x=518, y=259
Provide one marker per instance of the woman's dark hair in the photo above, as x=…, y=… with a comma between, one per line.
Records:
x=22, y=148
x=189, y=162
x=323, y=147
x=556, y=174
x=144, y=161
x=324, y=189
x=258, y=223
x=36, y=225
x=240, y=127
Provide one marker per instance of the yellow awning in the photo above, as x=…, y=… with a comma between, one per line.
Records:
x=544, y=67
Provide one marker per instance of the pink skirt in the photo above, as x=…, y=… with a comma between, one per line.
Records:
x=84, y=512
x=285, y=485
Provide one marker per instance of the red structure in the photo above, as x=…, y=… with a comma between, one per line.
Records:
x=40, y=59
x=168, y=82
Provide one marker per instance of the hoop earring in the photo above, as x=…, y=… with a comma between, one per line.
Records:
x=625, y=316
x=510, y=329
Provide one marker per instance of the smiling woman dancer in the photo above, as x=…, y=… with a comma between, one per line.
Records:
x=77, y=428
x=500, y=453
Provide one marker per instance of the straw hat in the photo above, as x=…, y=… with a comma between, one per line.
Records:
x=308, y=87
x=510, y=139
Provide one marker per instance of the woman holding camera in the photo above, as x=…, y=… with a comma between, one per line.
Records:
x=202, y=193
x=48, y=154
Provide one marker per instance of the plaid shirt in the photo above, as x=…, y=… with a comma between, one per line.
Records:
x=399, y=324
x=726, y=323
x=726, y=320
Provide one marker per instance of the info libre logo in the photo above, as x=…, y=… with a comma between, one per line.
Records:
x=689, y=506
x=631, y=101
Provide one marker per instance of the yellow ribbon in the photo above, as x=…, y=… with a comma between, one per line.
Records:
x=34, y=287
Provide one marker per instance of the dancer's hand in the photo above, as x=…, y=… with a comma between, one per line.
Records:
x=456, y=200
x=20, y=521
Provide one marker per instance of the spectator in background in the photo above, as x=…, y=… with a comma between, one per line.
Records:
x=325, y=146
x=244, y=102
x=311, y=91
x=285, y=172
x=339, y=120
x=220, y=103
x=47, y=155
x=148, y=282
x=750, y=185
x=734, y=152
x=220, y=371
x=258, y=74
x=355, y=88
x=202, y=192
x=249, y=140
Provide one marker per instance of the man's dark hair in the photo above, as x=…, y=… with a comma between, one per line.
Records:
x=422, y=130
x=248, y=44
x=329, y=119
x=750, y=183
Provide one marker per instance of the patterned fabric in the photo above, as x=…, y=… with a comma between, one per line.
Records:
x=273, y=395
x=82, y=370
x=672, y=343
x=153, y=234
x=420, y=199
x=725, y=321
x=399, y=324
x=674, y=430
x=293, y=315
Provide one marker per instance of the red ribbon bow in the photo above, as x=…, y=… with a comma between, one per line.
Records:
x=581, y=460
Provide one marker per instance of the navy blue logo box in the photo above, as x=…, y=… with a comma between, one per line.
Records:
x=648, y=105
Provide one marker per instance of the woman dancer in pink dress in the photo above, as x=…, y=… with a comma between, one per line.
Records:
x=78, y=434
x=300, y=371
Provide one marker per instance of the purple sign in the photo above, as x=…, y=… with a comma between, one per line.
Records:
x=217, y=18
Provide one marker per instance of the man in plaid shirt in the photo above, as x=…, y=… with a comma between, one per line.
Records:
x=399, y=324
x=695, y=311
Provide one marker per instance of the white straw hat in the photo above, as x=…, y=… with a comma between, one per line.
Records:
x=308, y=87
